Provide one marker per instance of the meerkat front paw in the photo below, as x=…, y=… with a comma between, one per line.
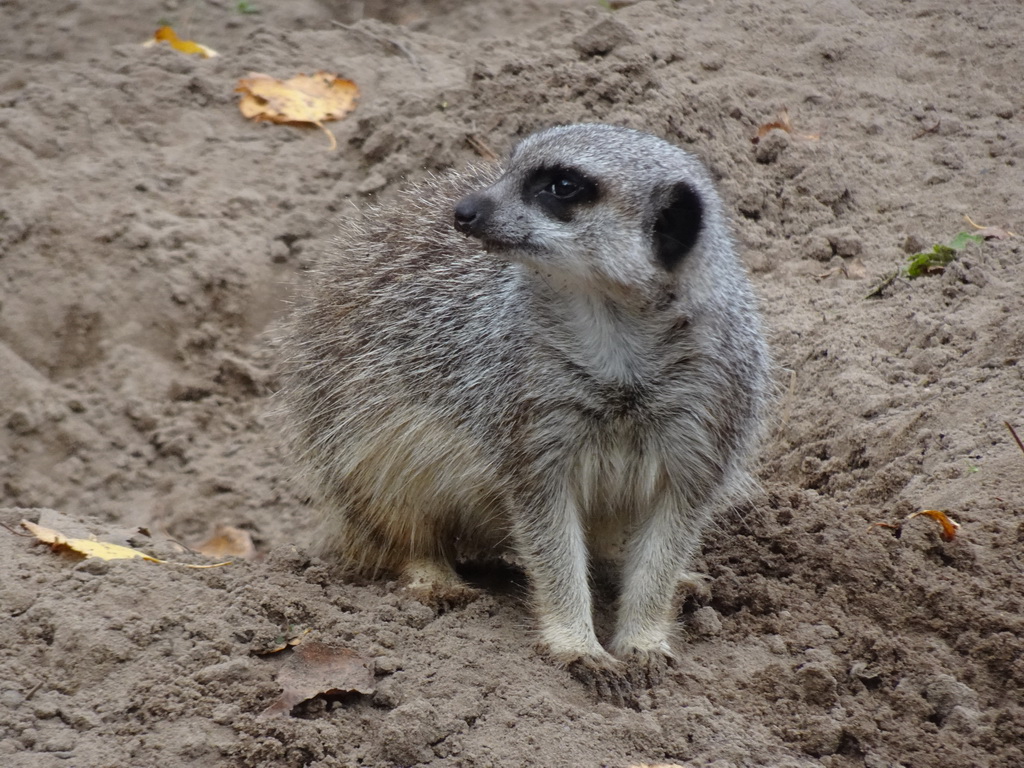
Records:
x=620, y=681
x=598, y=671
x=646, y=657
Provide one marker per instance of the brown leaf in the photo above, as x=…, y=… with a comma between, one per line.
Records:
x=853, y=269
x=781, y=124
x=317, y=668
x=827, y=273
x=228, y=541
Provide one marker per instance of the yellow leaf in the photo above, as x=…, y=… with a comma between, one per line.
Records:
x=85, y=547
x=91, y=548
x=169, y=36
x=303, y=99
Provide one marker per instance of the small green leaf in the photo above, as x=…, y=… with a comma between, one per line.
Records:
x=929, y=262
x=934, y=260
x=963, y=239
x=940, y=255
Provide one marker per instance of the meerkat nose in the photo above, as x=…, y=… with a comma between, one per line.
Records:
x=471, y=213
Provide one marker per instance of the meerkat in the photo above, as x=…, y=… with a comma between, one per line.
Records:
x=561, y=354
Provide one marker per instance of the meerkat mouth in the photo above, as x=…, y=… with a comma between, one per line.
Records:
x=521, y=250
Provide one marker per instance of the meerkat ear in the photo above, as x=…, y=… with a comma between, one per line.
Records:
x=677, y=225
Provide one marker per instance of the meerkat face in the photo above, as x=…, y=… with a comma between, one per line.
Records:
x=594, y=203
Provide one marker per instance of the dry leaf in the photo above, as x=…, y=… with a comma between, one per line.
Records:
x=782, y=123
x=93, y=548
x=169, y=36
x=304, y=99
x=284, y=642
x=990, y=233
x=853, y=269
x=228, y=541
x=85, y=547
x=318, y=668
x=949, y=526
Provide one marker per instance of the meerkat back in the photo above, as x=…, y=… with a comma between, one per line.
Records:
x=391, y=358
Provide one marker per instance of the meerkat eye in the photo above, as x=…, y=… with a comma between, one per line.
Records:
x=563, y=188
x=558, y=190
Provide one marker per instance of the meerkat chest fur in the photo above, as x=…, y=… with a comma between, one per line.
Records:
x=613, y=366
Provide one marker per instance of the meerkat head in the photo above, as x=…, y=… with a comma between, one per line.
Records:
x=596, y=204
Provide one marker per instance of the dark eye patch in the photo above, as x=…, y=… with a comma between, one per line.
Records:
x=557, y=190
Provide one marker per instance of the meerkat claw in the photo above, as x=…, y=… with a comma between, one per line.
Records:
x=647, y=669
x=609, y=683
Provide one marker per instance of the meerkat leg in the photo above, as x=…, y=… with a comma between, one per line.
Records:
x=552, y=542
x=434, y=582
x=427, y=573
x=403, y=542
x=428, y=567
x=655, y=558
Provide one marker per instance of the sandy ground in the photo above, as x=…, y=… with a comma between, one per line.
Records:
x=150, y=238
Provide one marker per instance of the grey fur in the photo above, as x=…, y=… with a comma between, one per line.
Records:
x=549, y=382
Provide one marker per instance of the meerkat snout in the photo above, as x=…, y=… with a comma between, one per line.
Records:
x=471, y=213
x=584, y=374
